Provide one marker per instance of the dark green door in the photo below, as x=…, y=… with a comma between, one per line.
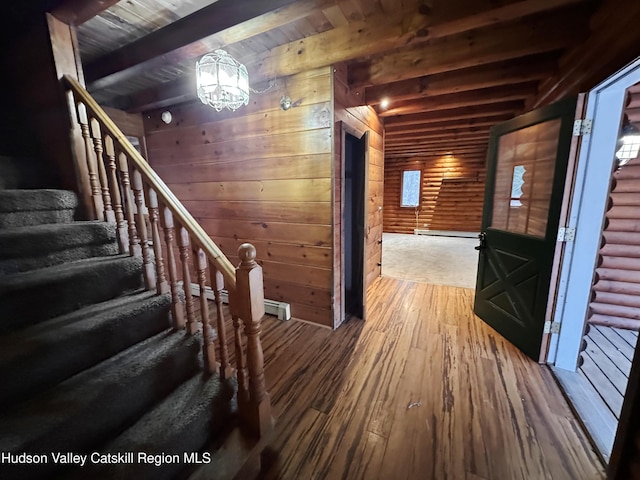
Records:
x=526, y=170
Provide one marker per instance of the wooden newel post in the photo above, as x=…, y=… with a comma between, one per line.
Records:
x=250, y=308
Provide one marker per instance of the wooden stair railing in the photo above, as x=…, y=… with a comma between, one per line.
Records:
x=123, y=187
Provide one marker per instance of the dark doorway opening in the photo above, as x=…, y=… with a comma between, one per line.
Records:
x=354, y=224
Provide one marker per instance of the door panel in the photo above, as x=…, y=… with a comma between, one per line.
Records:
x=524, y=176
x=526, y=168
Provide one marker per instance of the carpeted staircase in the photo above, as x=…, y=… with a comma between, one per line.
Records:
x=88, y=361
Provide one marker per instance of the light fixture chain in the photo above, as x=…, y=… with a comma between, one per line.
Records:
x=272, y=84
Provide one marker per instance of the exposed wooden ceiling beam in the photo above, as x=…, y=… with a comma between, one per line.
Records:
x=470, y=146
x=391, y=132
x=464, y=99
x=459, y=140
x=480, y=146
x=605, y=51
x=476, y=152
x=182, y=89
x=169, y=93
x=440, y=149
x=370, y=36
x=344, y=43
x=506, y=108
x=512, y=11
x=439, y=146
x=270, y=21
x=384, y=32
x=76, y=12
x=366, y=37
x=207, y=21
x=479, y=47
x=479, y=154
x=453, y=133
x=483, y=76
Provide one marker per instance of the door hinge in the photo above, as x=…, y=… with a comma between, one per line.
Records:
x=551, y=327
x=582, y=127
x=566, y=234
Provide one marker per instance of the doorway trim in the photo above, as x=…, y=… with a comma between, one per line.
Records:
x=341, y=129
x=605, y=104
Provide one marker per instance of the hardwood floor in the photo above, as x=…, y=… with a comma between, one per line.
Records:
x=421, y=390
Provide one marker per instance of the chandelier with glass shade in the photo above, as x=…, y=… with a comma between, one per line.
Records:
x=222, y=82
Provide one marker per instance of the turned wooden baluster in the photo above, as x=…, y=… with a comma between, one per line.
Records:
x=116, y=196
x=217, y=284
x=250, y=303
x=134, y=241
x=183, y=245
x=177, y=311
x=96, y=194
x=141, y=227
x=154, y=218
x=208, y=334
x=241, y=362
x=96, y=136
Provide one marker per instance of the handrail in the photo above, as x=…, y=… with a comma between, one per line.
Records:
x=121, y=188
x=203, y=240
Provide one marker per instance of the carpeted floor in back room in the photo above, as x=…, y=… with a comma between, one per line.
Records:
x=430, y=259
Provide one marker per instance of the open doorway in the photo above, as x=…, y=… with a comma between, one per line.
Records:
x=597, y=309
x=432, y=213
x=355, y=175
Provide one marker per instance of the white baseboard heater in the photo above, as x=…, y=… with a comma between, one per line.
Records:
x=444, y=233
x=280, y=309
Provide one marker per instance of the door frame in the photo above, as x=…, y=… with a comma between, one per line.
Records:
x=343, y=128
x=605, y=105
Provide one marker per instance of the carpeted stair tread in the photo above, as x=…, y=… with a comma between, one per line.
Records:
x=15, y=241
x=45, y=354
x=24, y=200
x=89, y=360
x=63, y=288
x=22, y=280
x=39, y=246
x=182, y=423
x=100, y=402
x=34, y=207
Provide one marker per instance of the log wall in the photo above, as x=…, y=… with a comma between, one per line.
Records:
x=358, y=120
x=615, y=299
x=262, y=175
x=451, y=198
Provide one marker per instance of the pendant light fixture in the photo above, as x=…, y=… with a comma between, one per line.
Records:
x=222, y=81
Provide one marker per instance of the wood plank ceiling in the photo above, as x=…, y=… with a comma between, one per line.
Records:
x=449, y=68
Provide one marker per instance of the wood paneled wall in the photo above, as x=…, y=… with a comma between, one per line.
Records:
x=262, y=175
x=358, y=120
x=451, y=198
